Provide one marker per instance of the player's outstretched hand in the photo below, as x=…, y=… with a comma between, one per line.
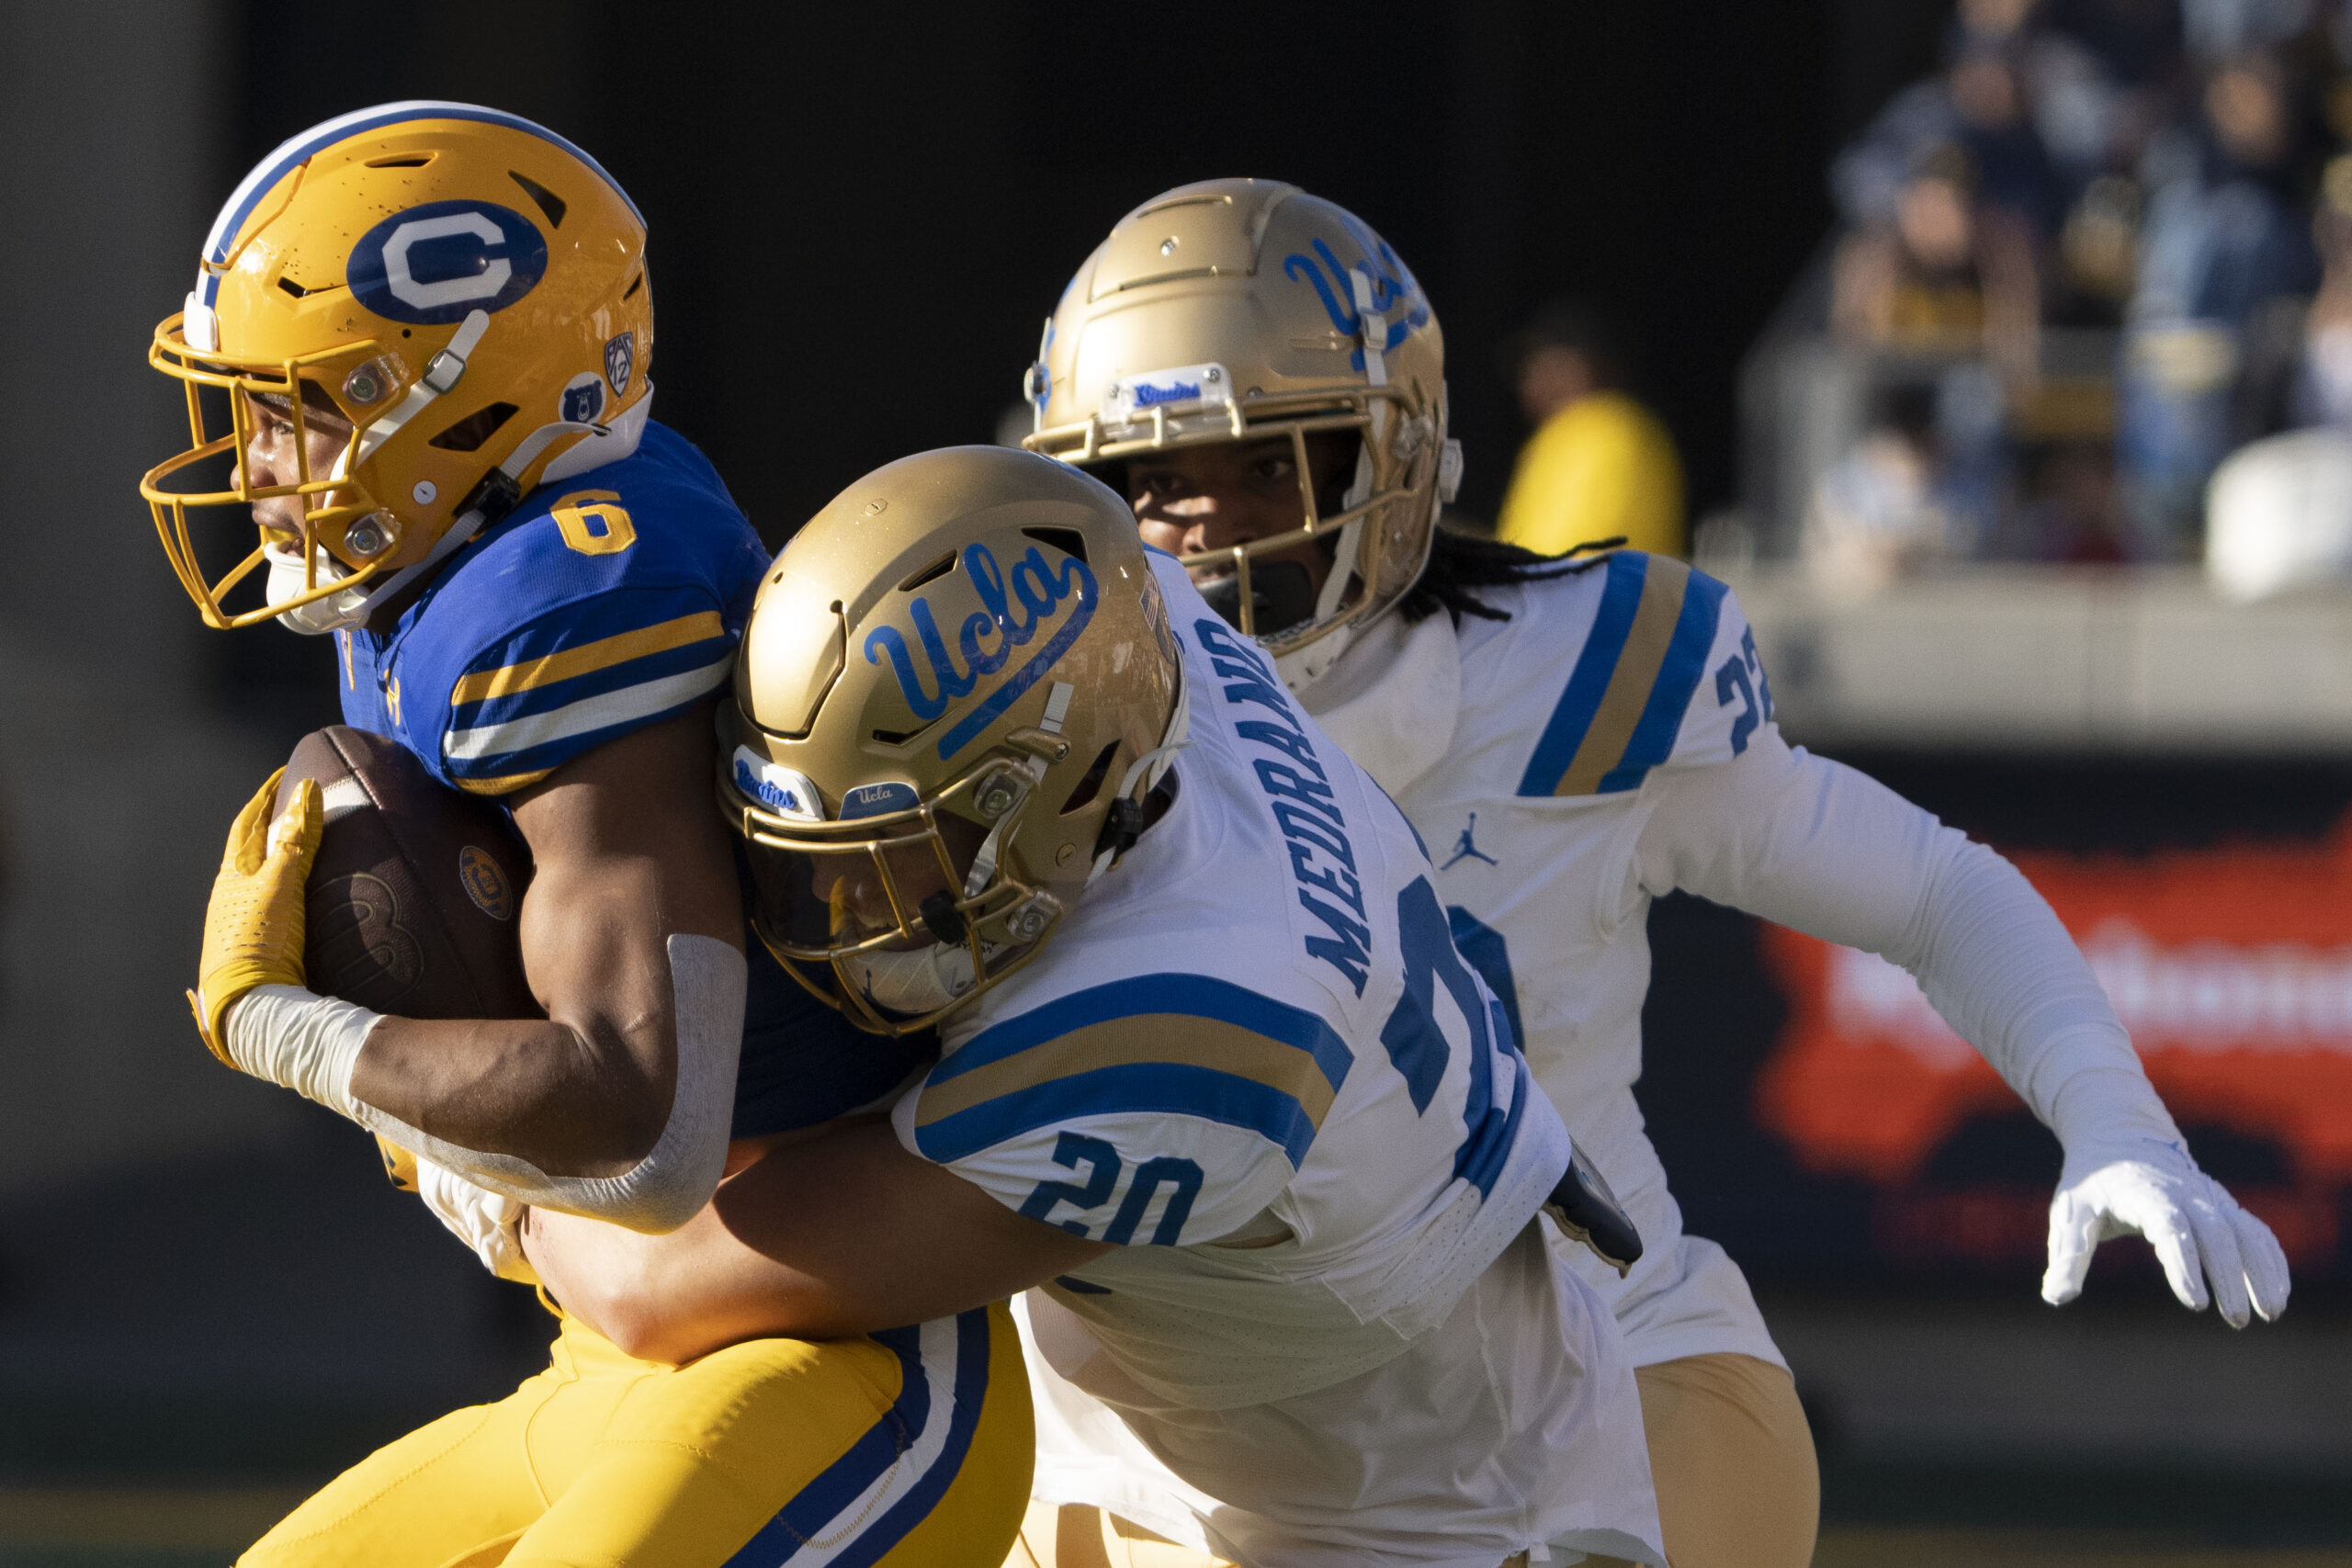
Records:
x=2200, y=1233
x=253, y=927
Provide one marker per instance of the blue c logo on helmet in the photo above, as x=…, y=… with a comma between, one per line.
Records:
x=441, y=262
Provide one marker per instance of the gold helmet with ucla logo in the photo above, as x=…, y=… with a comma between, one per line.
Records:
x=1243, y=309
x=465, y=288
x=957, y=686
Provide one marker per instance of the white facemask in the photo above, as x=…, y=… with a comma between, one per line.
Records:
x=922, y=981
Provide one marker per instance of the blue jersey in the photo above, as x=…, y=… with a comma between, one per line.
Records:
x=602, y=604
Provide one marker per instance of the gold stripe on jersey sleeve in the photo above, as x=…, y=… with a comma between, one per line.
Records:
x=587, y=658
x=1148, y=1038
x=505, y=783
x=1628, y=692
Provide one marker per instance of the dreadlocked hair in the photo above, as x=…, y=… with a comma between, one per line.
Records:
x=1460, y=564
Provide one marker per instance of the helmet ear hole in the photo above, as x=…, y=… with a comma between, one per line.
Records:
x=469, y=432
x=1069, y=541
x=549, y=203
x=1092, y=784
x=931, y=573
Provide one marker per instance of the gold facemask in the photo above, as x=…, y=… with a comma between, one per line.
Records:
x=1243, y=309
x=956, y=685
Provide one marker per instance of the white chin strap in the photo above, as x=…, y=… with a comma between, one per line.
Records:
x=609, y=442
x=1303, y=667
x=442, y=374
x=1150, y=768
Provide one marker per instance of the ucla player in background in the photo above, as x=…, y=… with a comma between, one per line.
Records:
x=1263, y=378
x=1212, y=1073
x=428, y=330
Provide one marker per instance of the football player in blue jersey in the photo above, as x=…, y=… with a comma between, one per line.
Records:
x=1263, y=376
x=1213, y=1077
x=420, y=342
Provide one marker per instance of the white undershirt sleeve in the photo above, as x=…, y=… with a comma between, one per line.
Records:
x=669, y=1186
x=1816, y=846
x=311, y=1044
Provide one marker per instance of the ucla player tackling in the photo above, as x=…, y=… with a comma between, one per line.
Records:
x=1263, y=376
x=1213, y=1078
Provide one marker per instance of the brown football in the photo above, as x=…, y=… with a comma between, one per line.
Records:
x=415, y=897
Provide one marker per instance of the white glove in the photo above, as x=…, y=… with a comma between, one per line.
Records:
x=2149, y=1186
x=488, y=1222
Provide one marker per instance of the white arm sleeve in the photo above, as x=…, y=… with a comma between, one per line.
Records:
x=1816, y=846
x=311, y=1044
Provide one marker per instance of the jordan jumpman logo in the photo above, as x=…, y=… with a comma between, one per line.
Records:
x=1466, y=847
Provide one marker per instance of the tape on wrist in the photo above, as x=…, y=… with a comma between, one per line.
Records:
x=300, y=1040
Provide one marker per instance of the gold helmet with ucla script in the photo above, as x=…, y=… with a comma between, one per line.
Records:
x=466, y=289
x=957, y=686
x=1244, y=309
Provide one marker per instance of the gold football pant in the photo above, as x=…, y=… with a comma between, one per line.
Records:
x=910, y=1449
x=1730, y=1453
x=1732, y=1458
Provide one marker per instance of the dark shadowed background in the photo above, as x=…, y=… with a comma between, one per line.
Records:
x=859, y=219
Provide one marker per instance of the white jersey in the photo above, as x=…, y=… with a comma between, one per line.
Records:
x=1614, y=741
x=1253, y=1060
x=1523, y=764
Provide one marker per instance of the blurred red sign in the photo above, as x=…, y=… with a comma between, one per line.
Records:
x=2230, y=966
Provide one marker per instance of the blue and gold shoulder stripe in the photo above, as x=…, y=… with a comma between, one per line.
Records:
x=568, y=682
x=1168, y=1044
x=1624, y=701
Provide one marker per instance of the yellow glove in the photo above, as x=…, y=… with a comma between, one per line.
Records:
x=400, y=1166
x=252, y=928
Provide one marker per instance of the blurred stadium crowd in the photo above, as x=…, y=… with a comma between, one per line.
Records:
x=2091, y=300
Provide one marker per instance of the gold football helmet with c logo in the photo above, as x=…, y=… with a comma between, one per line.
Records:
x=1240, y=310
x=465, y=288
x=956, y=688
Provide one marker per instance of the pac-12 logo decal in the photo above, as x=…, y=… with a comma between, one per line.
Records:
x=440, y=262
x=1012, y=608
x=620, y=362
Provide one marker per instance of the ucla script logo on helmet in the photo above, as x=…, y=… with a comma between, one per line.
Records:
x=1014, y=608
x=1392, y=284
x=440, y=262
